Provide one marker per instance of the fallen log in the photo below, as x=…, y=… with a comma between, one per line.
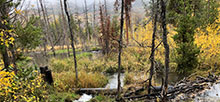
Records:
x=183, y=89
x=96, y=91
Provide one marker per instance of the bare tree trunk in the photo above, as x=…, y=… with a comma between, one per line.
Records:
x=45, y=21
x=105, y=29
x=5, y=58
x=155, y=11
x=106, y=8
x=53, y=41
x=166, y=46
x=81, y=35
x=120, y=49
x=44, y=38
x=94, y=16
x=87, y=21
x=107, y=45
x=13, y=52
x=94, y=23
x=71, y=38
x=64, y=29
x=4, y=15
x=51, y=34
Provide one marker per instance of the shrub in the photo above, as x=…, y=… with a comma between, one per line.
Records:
x=58, y=65
x=26, y=85
x=129, y=78
x=62, y=97
x=102, y=98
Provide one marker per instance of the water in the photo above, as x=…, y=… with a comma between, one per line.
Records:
x=84, y=98
x=112, y=84
x=214, y=91
x=113, y=81
x=210, y=95
x=173, y=78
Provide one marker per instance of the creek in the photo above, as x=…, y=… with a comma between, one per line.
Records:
x=112, y=84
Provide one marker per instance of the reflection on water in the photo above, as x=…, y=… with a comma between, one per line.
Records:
x=173, y=78
x=41, y=60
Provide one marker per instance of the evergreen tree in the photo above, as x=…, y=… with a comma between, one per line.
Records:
x=187, y=16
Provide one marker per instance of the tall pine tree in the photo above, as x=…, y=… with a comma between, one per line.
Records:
x=187, y=16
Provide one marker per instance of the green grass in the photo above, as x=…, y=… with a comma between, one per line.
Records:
x=62, y=96
x=102, y=98
x=84, y=54
x=60, y=51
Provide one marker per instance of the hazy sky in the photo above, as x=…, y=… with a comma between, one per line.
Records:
x=55, y=3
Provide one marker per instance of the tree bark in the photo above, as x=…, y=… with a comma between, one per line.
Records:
x=166, y=46
x=155, y=11
x=94, y=23
x=87, y=22
x=64, y=29
x=46, y=24
x=71, y=38
x=4, y=15
x=120, y=48
x=5, y=58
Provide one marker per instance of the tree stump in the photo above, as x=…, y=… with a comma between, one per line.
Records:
x=47, y=74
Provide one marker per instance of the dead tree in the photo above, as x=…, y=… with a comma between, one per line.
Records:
x=66, y=42
x=94, y=14
x=106, y=8
x=46, y=28
x=56, y=36
x=41, y=23
x=154, y=11
x=120, y=49
x=71, y=38
x=128, y=5
x=104, y=40
x=87, y=21
x=94, y=22
x=166, y=46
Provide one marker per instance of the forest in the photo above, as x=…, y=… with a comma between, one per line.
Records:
x=109, y=51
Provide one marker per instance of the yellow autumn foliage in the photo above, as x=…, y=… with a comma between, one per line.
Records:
x=143, y=35
x=21, y=88
x=6, y=36
x=209, y=41
x=17, y=89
